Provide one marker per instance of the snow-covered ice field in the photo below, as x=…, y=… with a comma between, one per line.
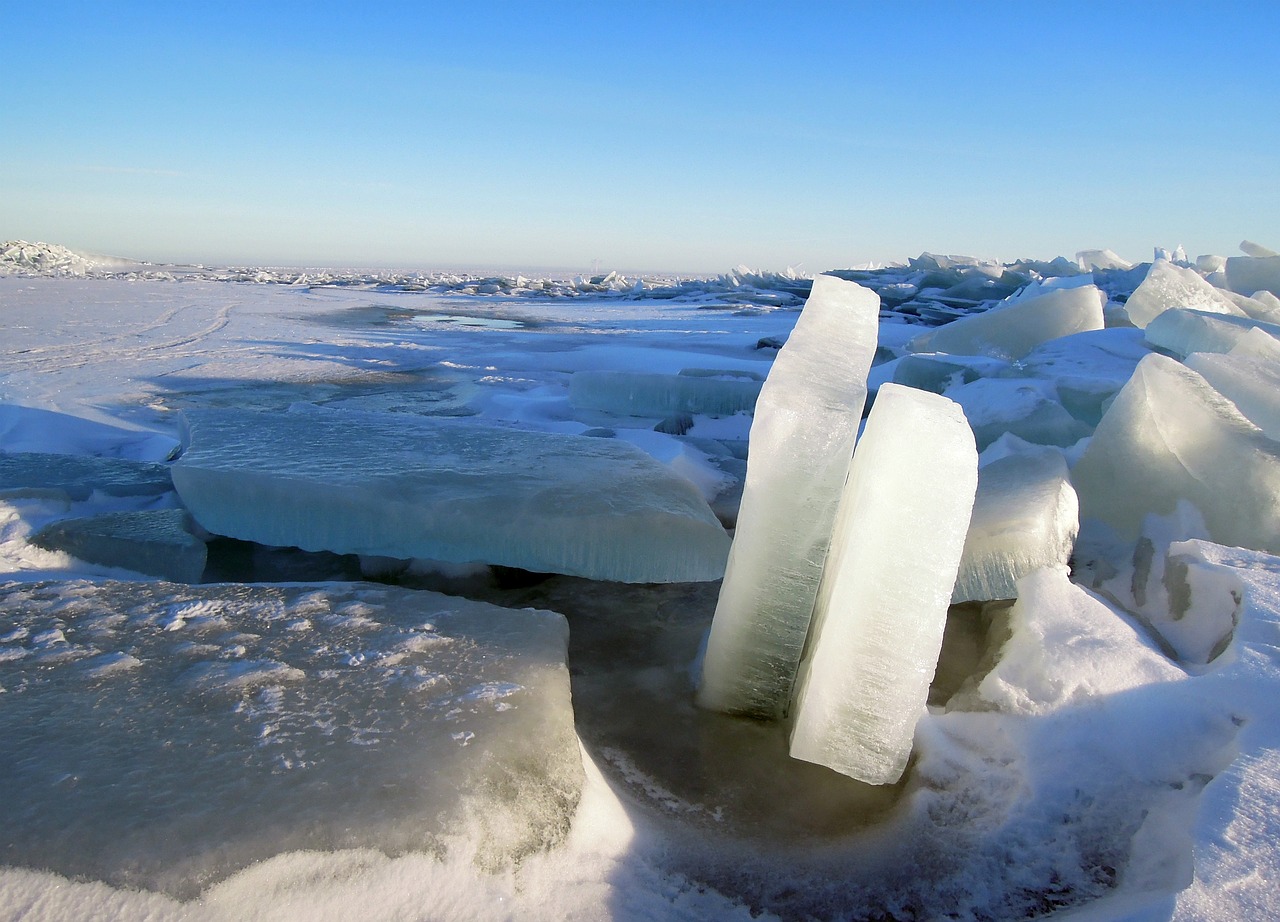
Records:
x=319, y=727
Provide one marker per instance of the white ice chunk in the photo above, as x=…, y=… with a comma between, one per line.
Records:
x=1167, y=286
x=629, y=393
x=881, y=610
x=1101, y=259
x=1257, y=344
x=1026, y=407
x=1025, y=518
x=1257, y=250
x=157, y=542
x=176, y=734
x=1169, y=436
x=801, y=442
x=1183, y=332
x=1252, y=384
x=394, y=486
x=1010, y=331
x=1247, y=274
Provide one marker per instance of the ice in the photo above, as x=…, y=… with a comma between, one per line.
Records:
x=79, y=477
x=1087, y=369
x=1183, y=332
x=801, y=442
x=1101, y=259
x=1253, y=385
x=156, y=542
x=1170, y=436
x=163, y=736
x=1256, y=344
x=1167, y=286
x=1025, y=518
x=880, y=613
x=636, y=394
x=1247, y=274
x=1249, y=248
x=1010, y=331
x=395, y=486
x=30, y=429
x=1026, y=407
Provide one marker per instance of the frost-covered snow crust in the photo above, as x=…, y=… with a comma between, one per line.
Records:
x=1090, y=732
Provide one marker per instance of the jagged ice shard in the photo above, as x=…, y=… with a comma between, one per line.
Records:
x=882, y=606
x=802, y=438
x=392, y=485
x=1170, y=436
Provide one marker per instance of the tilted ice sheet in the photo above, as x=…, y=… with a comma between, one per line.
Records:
x=1025, y=518
x=1167, y=286
x=164, y=736
x=1253, y=385
x=1169, y=436
x=801, y=442
x=1183, y=332
x=1011, y=330
x=394, y=486
x=882, y=606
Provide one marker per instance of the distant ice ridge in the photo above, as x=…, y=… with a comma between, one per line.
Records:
x=802, y=440
x=879, y=616
x=391, y=485
x=172, y=735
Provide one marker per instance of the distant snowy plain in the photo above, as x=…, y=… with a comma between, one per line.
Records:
x=1068, y=763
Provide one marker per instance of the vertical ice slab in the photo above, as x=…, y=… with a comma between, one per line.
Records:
x=801, y=441
x=392, y=485
x=1247, y=274
x=1170, y=436
x=882, y=606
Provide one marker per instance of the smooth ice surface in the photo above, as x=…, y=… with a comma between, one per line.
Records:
x=79, y=476
x=1025, y=518
x=1170, y=436
x=156, y=542
x=1167, y=286
x=801, y=441
x=879, y=618
x=1256, y=344
x=1253, y=385
x=164, y=736
x=1010, y=331
x=395, y=486
x=1183, y=332
x=1247, y=274
x=637, y=394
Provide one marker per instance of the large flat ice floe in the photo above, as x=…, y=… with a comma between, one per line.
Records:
x=802, y=440
x=392, y=485
x=164, y=736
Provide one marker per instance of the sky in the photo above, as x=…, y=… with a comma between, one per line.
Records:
x=688, y=136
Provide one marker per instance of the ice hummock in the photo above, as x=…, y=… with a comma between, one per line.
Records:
x=391, y=485
x=163, y=736
x=1168, y=286
x=1025, y=518
x=1170, y=436
x=1183, y=332
x=802, y=439
x=880, y=613
x=1012, y=329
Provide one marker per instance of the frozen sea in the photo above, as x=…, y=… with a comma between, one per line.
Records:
x=318, y=735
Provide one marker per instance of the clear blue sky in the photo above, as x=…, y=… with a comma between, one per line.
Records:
x=686, y=136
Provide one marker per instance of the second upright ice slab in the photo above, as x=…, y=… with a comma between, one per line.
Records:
x=398, y=486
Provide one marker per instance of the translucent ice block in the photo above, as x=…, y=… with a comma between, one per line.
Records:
x=1247, y=274
x=878, y=623
x=635, y=394
x=1183, y=332
x=1167, y=286
x=165, y=736
x=393, y=486
x=1252, y=384
x=801, y=442
x=1170, y=436
x=1010, y=331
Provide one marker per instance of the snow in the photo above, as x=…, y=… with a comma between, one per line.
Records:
x=801, y=444
x=1083, y=752
x=879, y=616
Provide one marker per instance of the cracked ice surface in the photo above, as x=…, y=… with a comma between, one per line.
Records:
x=395, y=486
x=171, y=735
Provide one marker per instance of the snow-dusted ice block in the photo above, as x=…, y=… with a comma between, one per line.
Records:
x=164, y=736
x=631, y=393
x=157, y=542
x=801, y=441
x=1167, y=286
x=1247, y=274
x=1253, y=385
x=1183, y=332
x=1025, y=518
x=879, y=618
x=1027, y=407
x=1169, y=436
x=1010, y=331
x=79, y=476
x=394, y=486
